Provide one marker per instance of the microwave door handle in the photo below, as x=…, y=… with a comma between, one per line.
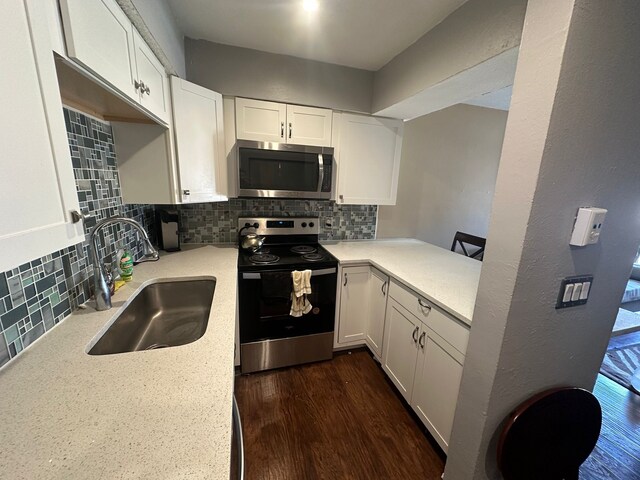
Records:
x=320, y=172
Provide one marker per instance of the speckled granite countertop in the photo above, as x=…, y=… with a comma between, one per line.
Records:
x=161, y=414
x=448, y=279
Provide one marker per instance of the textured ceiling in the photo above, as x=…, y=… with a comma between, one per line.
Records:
x=358, y=33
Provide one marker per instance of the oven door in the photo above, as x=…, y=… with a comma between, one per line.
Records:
x=267, y=318
x=285, y=171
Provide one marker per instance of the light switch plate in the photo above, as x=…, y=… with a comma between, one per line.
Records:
x=571, y=281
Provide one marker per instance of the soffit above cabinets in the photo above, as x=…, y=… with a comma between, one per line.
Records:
x=357, y=33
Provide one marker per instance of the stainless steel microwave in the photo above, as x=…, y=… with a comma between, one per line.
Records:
x=281, y=170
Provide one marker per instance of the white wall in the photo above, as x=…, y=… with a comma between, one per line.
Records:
x=158, y=17
x=447, y=175
x=244, y=72
x=571, y=140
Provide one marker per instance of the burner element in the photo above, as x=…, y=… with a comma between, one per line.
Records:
x=304, y=249
x=313, y=257
x=264, y=258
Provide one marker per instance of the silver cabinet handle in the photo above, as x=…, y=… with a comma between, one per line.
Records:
x=414, y=334
x=341, y=198
x=290, y=130
x=424, y=305
x=281, y=129
x=77, y=216
x=186, y=192
x=384, y=289
x=137, y=84
x=421, y=340
x=345, y=280
x=147, y=90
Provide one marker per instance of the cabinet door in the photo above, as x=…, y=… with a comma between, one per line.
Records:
x=400, y=348
x=378, y=287
x=354, y=304
x=37, y=184
x=100, y=36
x=154, y=94
x=368, y=158
x=309, y=126
x=199, y=138
x=260, y=121
x=437, y=383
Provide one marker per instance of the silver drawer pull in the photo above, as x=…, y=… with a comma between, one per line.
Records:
x=424, y=305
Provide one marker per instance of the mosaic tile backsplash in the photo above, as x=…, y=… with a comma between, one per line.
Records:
x=37, y=295
x=217, y=222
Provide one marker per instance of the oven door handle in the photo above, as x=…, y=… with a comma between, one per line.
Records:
x=320, y=172
x=314, y=273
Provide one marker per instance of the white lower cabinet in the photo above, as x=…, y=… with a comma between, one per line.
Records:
x=400, y=351
x=354, y=305
x=423, y=355
x=436, y=385
x=378, y=289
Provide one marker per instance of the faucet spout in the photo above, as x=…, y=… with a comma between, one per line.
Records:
x=102, y=292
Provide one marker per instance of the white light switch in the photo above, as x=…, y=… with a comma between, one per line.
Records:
x=568, y=290
x=584, y=294
x=577, y=288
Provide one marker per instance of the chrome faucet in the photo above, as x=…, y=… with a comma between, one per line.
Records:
x=102, y=291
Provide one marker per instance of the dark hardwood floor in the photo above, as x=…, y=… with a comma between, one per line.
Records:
x=617, y=454
x=342, y=419
x=331, y=420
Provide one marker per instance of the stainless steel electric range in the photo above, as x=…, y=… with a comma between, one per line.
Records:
x=269, y=336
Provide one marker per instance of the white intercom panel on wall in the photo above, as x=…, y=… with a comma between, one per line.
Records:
x=588, y=226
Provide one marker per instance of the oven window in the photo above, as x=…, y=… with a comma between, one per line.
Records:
x=268, y=170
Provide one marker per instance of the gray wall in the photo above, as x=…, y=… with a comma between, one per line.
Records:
x=447, y=175
x=244, y=72
x=159, y=18
x=476, y=32
x=571, y=140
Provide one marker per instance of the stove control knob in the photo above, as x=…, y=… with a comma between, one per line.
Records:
x=247, y=224
x=256, y=225
x=311, y=224
x=304, y=224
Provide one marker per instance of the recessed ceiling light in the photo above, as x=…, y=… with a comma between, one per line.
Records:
x=310, y=5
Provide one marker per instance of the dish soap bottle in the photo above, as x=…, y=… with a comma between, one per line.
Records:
x=125, y=262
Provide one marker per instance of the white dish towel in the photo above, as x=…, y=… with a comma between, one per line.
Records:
x=300, y=305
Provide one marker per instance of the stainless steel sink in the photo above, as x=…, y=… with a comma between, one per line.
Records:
x=166, y=313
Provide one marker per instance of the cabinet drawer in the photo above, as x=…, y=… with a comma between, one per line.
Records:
x=447, y=327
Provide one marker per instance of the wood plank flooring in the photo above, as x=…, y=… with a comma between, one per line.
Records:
x=339, y=419
x=617, y=454
x=342, y=419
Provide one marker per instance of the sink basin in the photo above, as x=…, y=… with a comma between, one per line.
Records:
x=166, y=313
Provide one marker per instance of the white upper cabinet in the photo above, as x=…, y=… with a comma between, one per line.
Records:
x=186, y=163
x=36, y=163
x=100, y=37
x=367, y=151
x=153, y=83
x=309, y=126
x=260, y=121
x=200, y=147
x=277, y=122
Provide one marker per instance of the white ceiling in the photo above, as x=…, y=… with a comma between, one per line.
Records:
x=498, y=99
x=358, y=33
